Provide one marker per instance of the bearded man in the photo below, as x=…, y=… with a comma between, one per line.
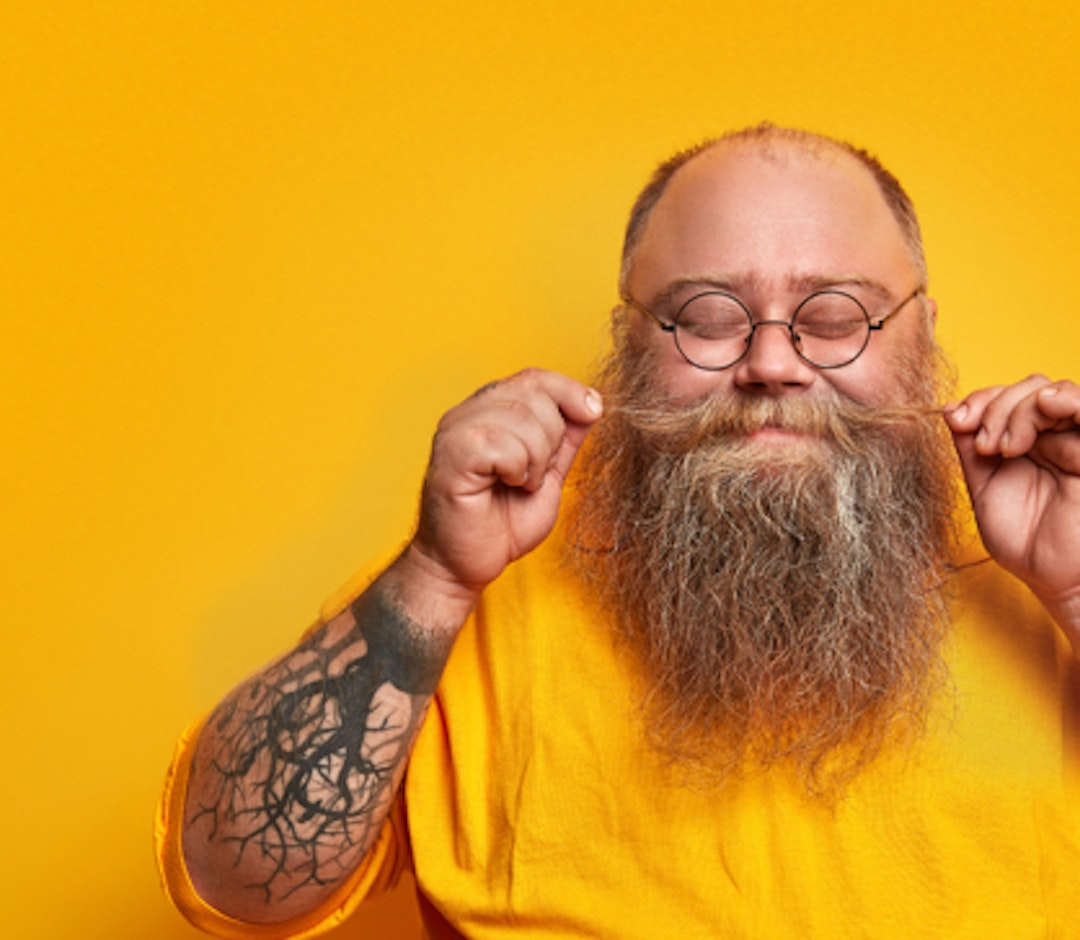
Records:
x=758, y=681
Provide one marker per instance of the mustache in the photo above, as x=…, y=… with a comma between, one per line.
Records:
x=726, y=419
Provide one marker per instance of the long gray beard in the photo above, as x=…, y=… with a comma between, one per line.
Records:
x=782, y=612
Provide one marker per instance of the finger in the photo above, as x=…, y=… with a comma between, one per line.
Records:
x=964, y=417
x=1042, y=422
x=539, y=426
x=1008, y=418
x=516, y=430
x=497, y=446
x=976, y=468
x=578, y=403
x=1058, y=451
x=987, y=413
x=515, y=463
x=1061, y=401
x=567, y=407
x=964, y=420
x=1045, y=409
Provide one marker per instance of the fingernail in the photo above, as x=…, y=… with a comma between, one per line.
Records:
x=1003, y=444
x=981, y=438
x=593, y=403
x=1049, y=392
x=960, y=411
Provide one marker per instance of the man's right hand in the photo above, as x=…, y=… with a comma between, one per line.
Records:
x=269, y=832
x=495, y=478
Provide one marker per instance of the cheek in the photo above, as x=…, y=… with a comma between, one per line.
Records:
x=871, y=380
x=685, y=383
x=670, y=373
x=900, y=368
x=861, y=384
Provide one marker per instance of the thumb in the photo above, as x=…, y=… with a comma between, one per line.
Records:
x=581, y=413
x=977, y=469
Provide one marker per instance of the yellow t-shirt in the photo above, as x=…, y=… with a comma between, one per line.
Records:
x=534, y=808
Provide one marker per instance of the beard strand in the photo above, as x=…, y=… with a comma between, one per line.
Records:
x=786, y=603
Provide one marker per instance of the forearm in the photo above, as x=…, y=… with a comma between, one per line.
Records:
x=295, y=772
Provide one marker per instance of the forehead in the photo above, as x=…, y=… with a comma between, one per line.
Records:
x=782, y=216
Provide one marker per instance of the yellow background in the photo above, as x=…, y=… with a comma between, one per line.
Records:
x=251, y=251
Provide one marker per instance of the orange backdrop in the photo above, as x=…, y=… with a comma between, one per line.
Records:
x=251, y=251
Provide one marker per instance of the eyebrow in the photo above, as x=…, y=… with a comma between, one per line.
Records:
x=796, y=283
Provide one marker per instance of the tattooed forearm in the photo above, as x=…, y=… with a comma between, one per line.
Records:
x=296, y=769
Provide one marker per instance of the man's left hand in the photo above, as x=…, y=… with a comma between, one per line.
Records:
x=1019, y=446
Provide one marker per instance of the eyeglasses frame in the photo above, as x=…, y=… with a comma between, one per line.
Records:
x=872, y=325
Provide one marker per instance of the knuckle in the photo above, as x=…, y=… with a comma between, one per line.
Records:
x=457, y=442
x=523, y=385
x=445, y=423
x=480, y=438
x=517, y=408
x=530, y=375
x=531, y=381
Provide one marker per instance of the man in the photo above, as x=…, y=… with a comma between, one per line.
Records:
x=755, y=683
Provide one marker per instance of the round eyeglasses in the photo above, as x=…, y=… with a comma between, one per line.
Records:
x=829, y=329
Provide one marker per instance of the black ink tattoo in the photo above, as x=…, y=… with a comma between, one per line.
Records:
x=305, y=753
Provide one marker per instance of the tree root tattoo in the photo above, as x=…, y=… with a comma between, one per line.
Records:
x=304, y=753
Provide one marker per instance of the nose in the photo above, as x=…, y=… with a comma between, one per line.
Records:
x=771, y=364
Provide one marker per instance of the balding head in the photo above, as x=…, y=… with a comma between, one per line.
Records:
x=772, y=142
